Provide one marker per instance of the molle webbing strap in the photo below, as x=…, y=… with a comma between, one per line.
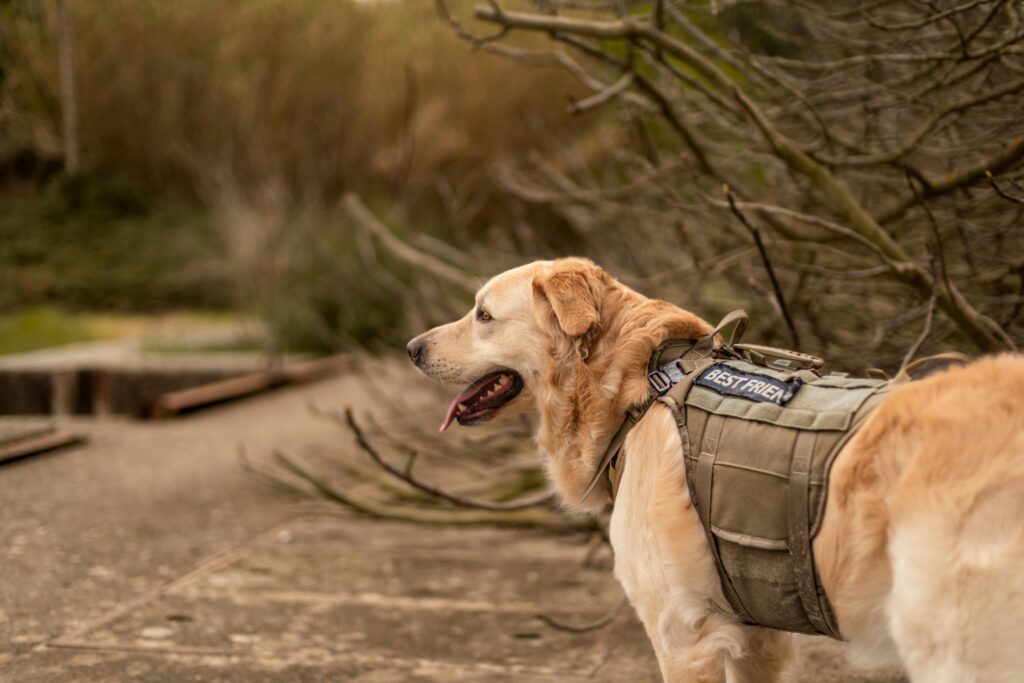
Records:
x=702, y=490
x=706, y=468
x=799, y=532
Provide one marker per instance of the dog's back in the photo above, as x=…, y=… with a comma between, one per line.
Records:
x=936, y=485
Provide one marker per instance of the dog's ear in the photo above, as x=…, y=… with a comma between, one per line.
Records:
x=569, y=295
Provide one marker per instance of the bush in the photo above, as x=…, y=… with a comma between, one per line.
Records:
x=96, y=240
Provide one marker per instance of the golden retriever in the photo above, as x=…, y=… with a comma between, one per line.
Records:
x=922, y=546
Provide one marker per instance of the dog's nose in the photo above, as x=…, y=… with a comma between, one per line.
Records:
x=416, y=348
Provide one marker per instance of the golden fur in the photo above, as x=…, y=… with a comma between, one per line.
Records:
x=922, y=545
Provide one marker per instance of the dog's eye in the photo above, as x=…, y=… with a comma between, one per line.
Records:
x=483, y=316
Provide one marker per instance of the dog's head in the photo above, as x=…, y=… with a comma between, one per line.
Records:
x=503, y=347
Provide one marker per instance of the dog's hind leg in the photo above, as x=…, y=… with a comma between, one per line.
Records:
x=956, y=611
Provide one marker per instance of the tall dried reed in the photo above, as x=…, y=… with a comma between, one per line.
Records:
x=317, y=96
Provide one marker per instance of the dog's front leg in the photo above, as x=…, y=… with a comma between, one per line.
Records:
x=765, y=655
x=685, y=654
x=758, y=656
x=663, y=561
x=763, y=658
x=682, y=670
x=689, y=639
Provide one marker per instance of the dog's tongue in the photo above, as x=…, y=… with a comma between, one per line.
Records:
x=468, y=393
x=451, y=413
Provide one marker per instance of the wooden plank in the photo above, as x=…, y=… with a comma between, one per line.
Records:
x=37, y=443
x=24, y=432
x=177, y=402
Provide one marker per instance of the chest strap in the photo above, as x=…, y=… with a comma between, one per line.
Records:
x=611, y=454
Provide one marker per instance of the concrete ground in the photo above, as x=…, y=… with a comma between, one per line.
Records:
x=151, y=555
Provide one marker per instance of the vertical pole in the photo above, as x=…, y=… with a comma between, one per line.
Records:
x=69, y=98
x=65, y=391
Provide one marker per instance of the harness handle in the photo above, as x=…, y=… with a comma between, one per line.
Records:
x=705, y=345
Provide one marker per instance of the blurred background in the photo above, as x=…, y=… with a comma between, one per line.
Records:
x=202, y=200
x=193, y=156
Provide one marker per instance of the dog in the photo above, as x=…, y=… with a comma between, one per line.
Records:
x=921, y=549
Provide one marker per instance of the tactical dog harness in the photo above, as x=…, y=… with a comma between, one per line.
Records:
x=760, y=428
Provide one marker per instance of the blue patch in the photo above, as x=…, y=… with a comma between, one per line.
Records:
x=750, y=385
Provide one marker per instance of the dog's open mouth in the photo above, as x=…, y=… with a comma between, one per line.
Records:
x=484, y=398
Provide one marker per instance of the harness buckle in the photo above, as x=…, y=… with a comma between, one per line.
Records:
x=659, y=381
x=666, y=377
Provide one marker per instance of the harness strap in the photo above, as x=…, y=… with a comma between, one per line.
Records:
x=905, y=373
x=611, y=453
x=799, y=532
x=701, y=349
x=706, y=467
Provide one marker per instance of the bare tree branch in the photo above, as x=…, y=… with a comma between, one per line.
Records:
x=358, y=212
x=1002, y=193
x=779, y=297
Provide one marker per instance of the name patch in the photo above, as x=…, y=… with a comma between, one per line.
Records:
x=750, y=385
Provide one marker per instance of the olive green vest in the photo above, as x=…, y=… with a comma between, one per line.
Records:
x=760, y=428
x=758, y=474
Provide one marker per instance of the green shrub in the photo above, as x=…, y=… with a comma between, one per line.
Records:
x=95, y=240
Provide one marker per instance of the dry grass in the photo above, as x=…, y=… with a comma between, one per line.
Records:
x=310, y=95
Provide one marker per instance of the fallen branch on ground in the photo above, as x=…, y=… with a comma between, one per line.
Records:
x=383, y=510
x=608, y=618
x=543, y=499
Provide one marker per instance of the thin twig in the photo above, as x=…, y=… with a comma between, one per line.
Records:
x=999, y=191
x=358, y=212
x=939, y=252
x=951, y=292
x=779, y=297
x=912, y=351
x=606, y=95
x=600, y=623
